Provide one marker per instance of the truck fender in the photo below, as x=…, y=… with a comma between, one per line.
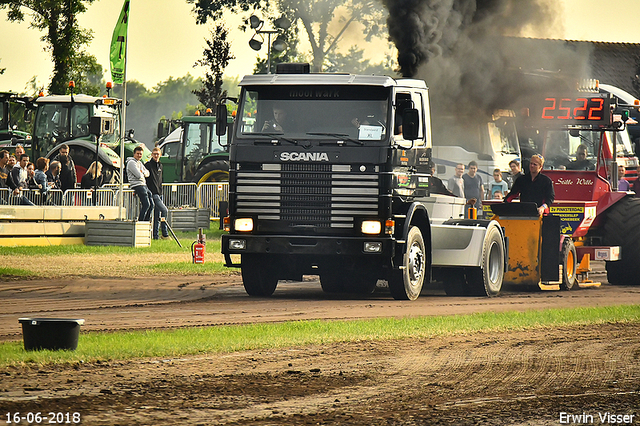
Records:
x=416, y=215
x=483, y=223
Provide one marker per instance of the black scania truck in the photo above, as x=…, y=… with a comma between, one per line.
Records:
x=329, y=176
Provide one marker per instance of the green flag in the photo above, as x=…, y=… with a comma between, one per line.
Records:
x=119, y=45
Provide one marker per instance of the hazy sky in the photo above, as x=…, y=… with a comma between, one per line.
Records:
x=164, y=40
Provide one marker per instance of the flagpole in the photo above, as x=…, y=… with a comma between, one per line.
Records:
x=122, y=136
x=118, y=63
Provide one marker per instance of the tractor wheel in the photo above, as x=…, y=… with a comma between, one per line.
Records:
x=258, y=275
x=83, y=157
x=214, y=171
x=406, y=283
x=622, y=228
x=487, y=279
x=568, y=259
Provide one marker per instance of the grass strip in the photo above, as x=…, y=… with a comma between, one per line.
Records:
x=226, y=339
x=10, y=273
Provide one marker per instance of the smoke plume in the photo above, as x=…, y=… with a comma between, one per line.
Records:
x=466, y=52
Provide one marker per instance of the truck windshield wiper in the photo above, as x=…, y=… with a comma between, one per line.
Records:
x=275, y=135
x=336, y=135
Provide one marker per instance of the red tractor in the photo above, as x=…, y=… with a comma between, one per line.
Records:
x=572, y=133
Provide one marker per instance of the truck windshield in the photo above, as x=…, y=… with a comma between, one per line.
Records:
x=359, y=113
x=565, y=151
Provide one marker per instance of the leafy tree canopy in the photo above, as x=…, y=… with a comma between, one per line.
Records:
x=325, y=22
x=63, y=36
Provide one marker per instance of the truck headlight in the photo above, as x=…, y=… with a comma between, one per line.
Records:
x=372, y=227
x=243, y=224
x=373, y=247
x=237, y=244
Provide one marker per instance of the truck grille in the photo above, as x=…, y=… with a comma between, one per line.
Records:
x=307, y=194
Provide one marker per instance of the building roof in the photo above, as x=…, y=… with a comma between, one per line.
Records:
x=617, y=64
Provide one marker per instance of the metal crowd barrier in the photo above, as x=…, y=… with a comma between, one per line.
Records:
x=210, y=194
x=130, y=202
x=85, y=197
x=51, y=198
x=180, y=194
x=206, y=195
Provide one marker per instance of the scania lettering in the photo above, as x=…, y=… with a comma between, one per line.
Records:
x=340, y=189
x=304, y=156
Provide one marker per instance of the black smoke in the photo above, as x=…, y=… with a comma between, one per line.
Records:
x=467, y=53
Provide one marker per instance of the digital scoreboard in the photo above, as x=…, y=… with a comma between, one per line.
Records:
x=591, y=111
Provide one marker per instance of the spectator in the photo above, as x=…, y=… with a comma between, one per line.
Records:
x=68, y=176
x=498, y=195
x=137, y=172
x=623, y=184
x=19, y=176
x=635, y=187
x=473, y=187
x=534, y=187
x=19, y=150
x=435, y=184
x=516, y=172
x=498, y=184
x=40, y=177
x=88, y=181
x=4, y=175
x=456, y=183
x=154, y=183
x=31, y=172
x=53, y=175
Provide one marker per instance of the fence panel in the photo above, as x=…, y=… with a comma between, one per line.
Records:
x=4, y=195
x=179, y=194
x=85, y=197
x=130, y=203
x=210, y=194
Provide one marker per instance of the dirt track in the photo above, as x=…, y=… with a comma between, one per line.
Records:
x=516, y=378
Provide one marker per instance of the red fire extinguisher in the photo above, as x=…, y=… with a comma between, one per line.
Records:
x=197, y=248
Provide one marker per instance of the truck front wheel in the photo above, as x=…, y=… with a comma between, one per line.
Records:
x=258, y=275
x=406, y=283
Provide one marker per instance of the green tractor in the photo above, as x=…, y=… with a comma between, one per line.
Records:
x=14, y=113
x=65, y=119
x=195, y=149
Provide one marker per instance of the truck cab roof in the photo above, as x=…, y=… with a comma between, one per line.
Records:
x=331, y=79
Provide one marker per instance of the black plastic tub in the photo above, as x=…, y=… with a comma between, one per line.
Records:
x=50, y=333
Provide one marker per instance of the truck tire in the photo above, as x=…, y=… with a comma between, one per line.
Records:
x=258, y=275
x=487, y=279
x=358, y=277
x=622, y=228
x=406, y=283
x=454, y=282
x=213, y=171
x=332, y=281
x=568, y=260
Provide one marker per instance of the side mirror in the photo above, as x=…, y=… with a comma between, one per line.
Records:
x=101, y=125
x=410, y=124
x=221, y=120
x=161, y=130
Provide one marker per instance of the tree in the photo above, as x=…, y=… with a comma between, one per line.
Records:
x=63, y=36
x=217, y=55
x=315, y=17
